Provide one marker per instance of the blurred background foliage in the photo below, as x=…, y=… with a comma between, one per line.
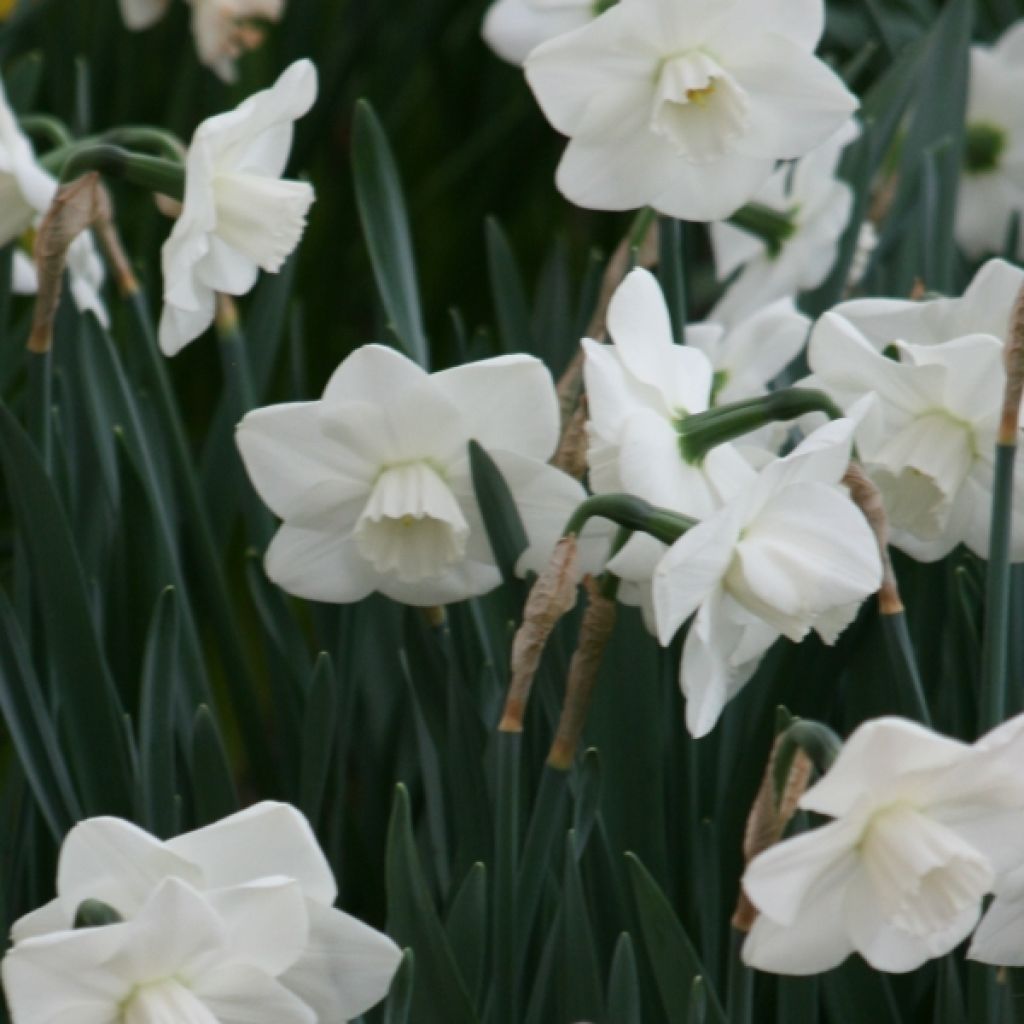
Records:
x=171, y=706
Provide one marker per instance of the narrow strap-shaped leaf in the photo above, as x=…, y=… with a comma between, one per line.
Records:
x=386, y=228
x=399, y=1004
x=439, y=993
x=92, y=705
x=466, y=928
x=510, y=302
x=318, y=731
x=31, y=729
x=501, y=518
x=624, y=1005
x=160, y=681
x=213, y=788
x=669, y=951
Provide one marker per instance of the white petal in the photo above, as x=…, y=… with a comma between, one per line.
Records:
x=266, y=839
x=809, y=551
x=783, y=881
x=796, y=101
x=114, y=861
x=319, y=566
x=508, y=402
x=999, y=938
x=512, y=28
x=140, y=14
x=244, y=995
x=298, y=471
x=372, y=373
x=876, y=753
x=266, y=920
x=691, y=569
x=347, y=966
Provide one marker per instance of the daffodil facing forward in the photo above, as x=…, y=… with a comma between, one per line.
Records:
x=238, y=216
x=992, y=186
x=231, y=922
x=686, y=105
x=374, y=484
x=924, y=826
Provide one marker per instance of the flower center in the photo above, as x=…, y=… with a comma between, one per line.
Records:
x=166, y=1001
x=412, y=525
x=920, y=469
x=698, y=107
x=261, y=217
x=924, y=874
x=983, y=147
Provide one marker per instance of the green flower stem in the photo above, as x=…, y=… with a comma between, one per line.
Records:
x=632, y=513
x=900, y=650
x=144, y=137
x=641, y=225
x=815, y=739
x=672, y=272
x=771, y=226
x=234, y=359
x=702, y=431
x=52, y=129
x=237, y=670
x=992, y=709
x=151, y=172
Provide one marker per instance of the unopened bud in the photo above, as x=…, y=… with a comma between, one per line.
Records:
x=75, y=208
x=595, y=632
x=551, y=596
x=772, y=809
x=1013, y=359
x=867, y=497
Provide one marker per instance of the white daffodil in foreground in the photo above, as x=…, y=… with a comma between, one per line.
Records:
x=936, y=372
x=924, y=827
x=374, y=486
x=819, y=206
x=992, y=186
x=512, y=28
x=224, y=29
x=684, y=105
x=790, y=553
x=238, y=216
x=231, y=922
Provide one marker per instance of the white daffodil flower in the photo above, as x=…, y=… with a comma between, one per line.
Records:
x=512, y=28
x=638, y=389
x=238, y=216
x=223, y=29
x=924, y=827
x=935, y=370
x=819, y=205
x=789, y=553
x=234, y=921
x=374, y=486
x=992, y=185
x=686, y=105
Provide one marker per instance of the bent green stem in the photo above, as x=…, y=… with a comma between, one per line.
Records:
x=702, y=431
